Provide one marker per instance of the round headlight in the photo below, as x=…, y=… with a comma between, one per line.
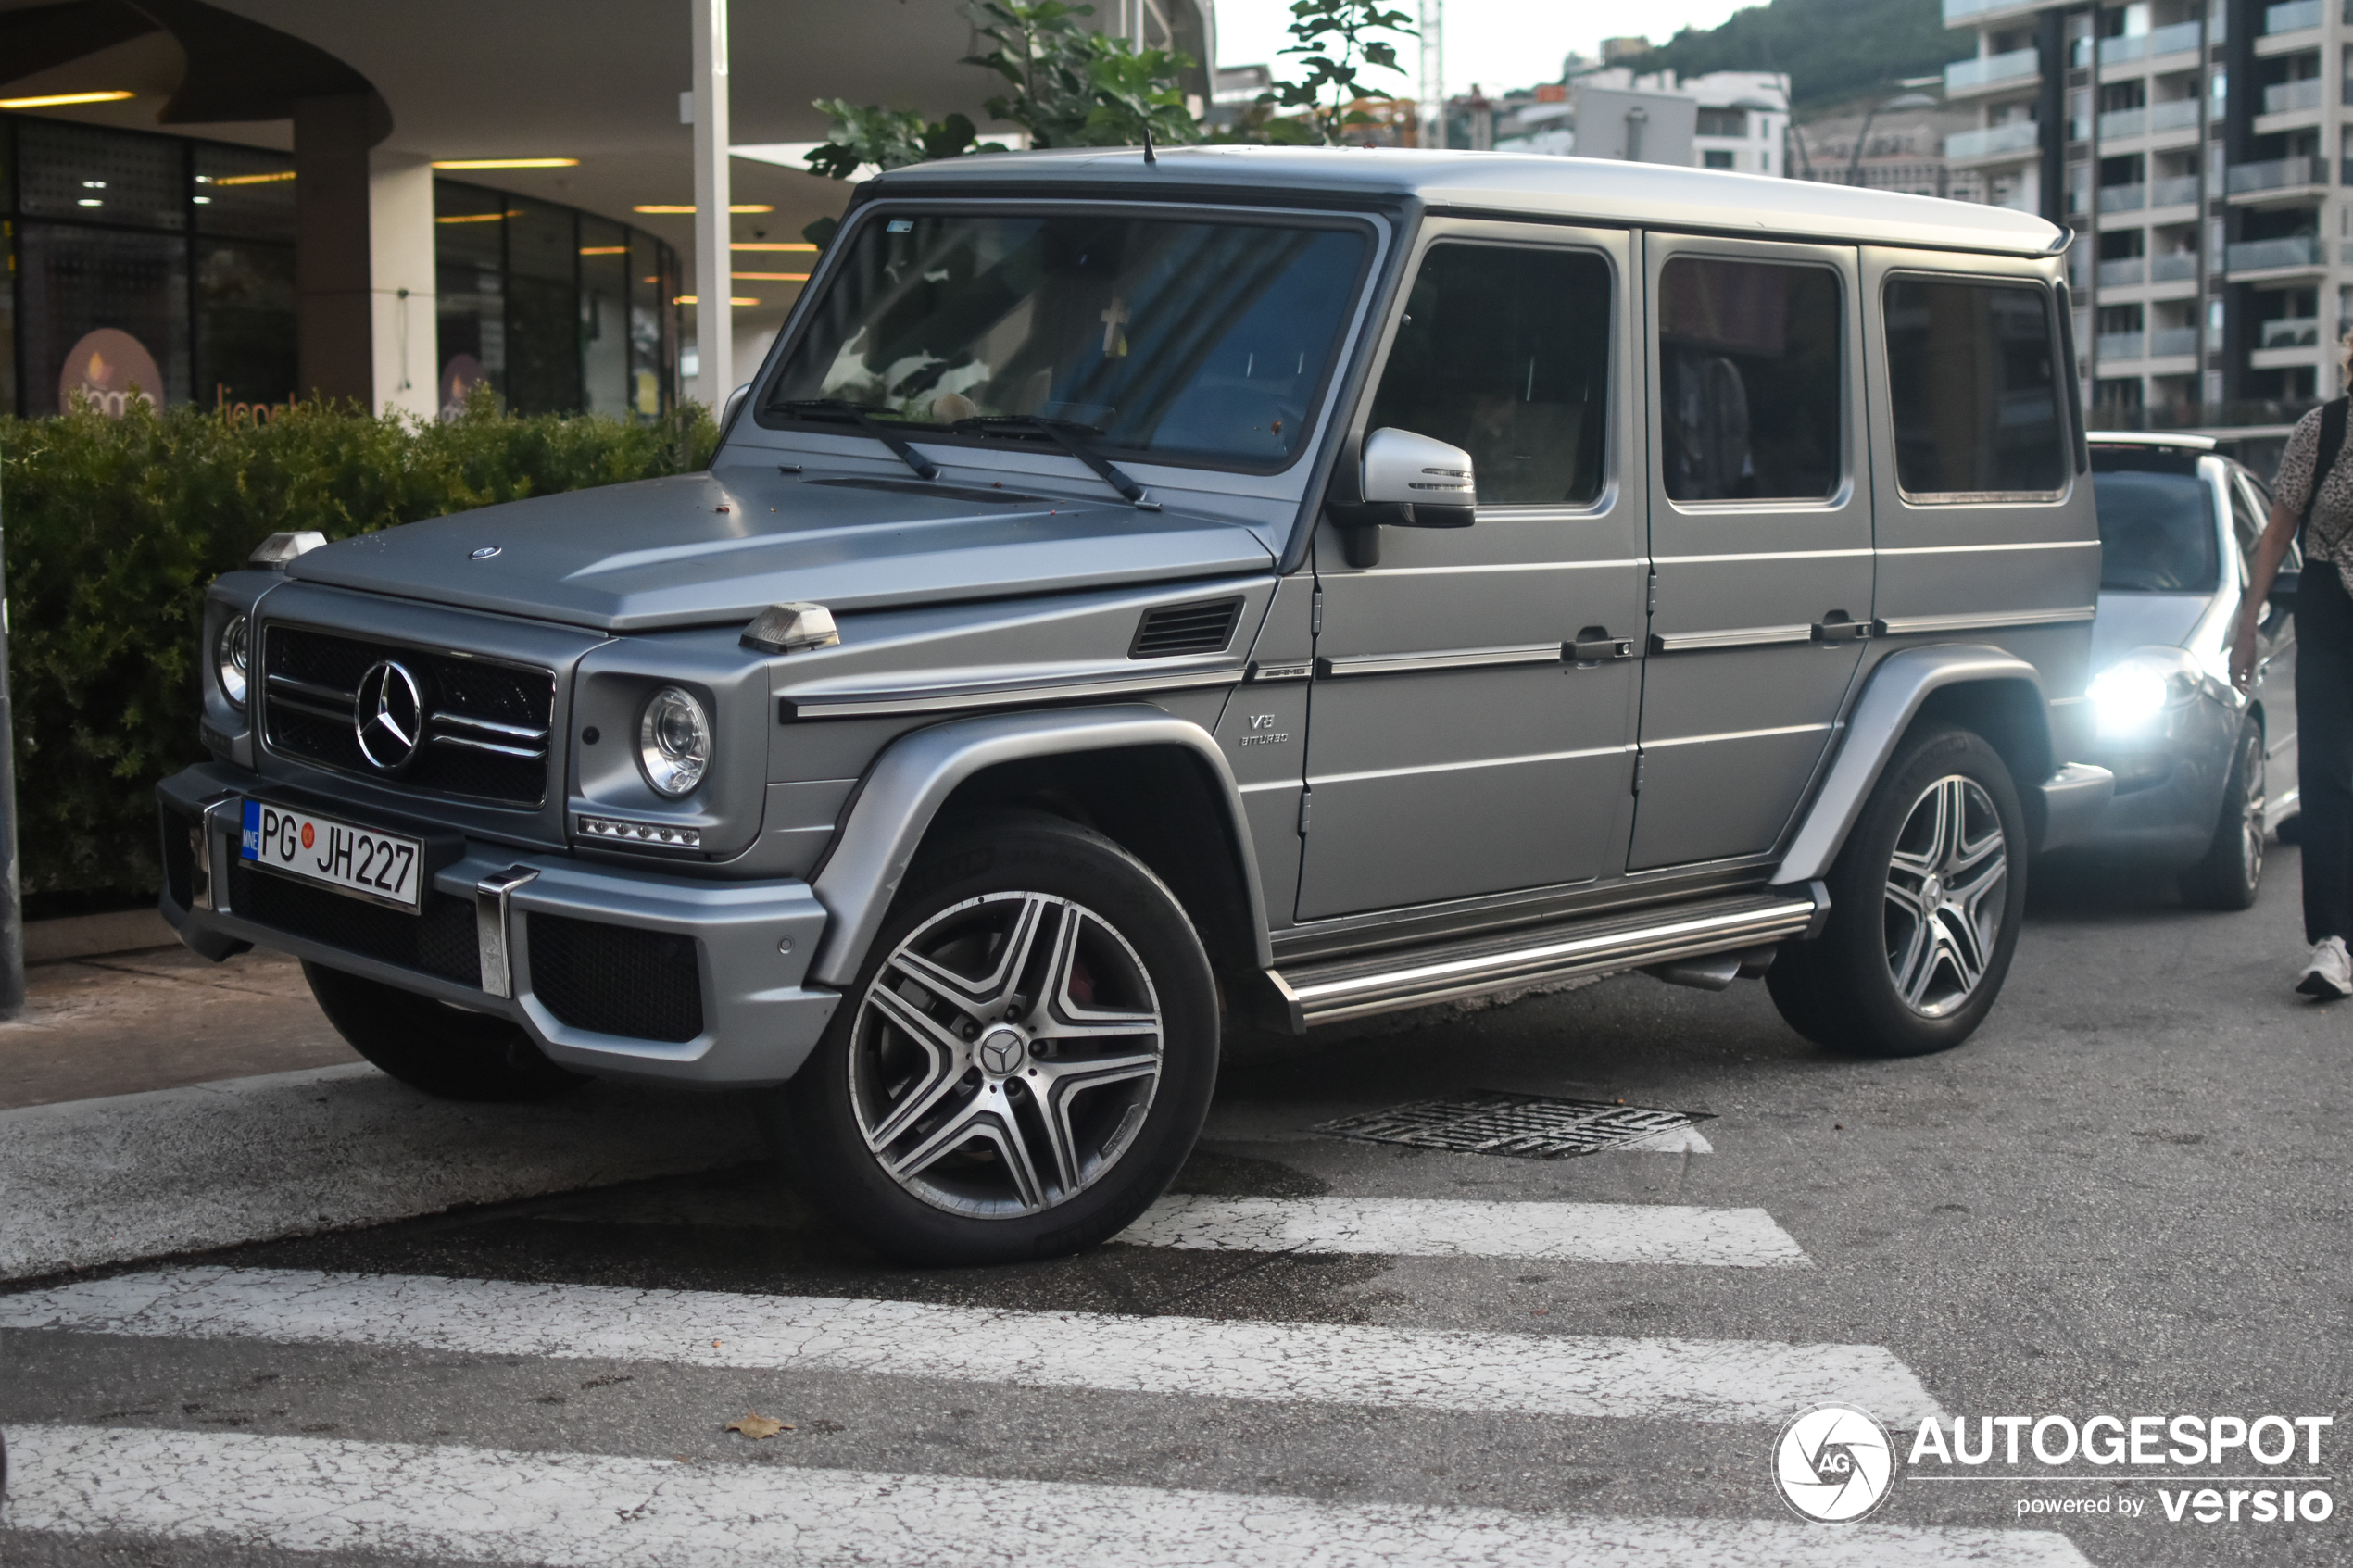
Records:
x=232, y=656
x=674, y=742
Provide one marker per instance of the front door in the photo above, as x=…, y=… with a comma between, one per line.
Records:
x=1457, y=746
x=1760, y=533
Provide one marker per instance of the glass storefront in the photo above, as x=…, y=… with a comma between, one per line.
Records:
x=136, y=257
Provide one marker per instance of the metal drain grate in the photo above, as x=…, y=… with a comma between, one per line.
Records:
x=1531, y=1126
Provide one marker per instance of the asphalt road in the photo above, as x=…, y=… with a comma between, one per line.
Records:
x=2125, y=1197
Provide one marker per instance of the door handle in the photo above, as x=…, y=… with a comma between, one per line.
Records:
x=1594, y=644
x=1837, y=626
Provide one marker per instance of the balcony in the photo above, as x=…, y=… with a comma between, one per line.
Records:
x=2175, y=114
x=1960, y=11
x=2123, y=272
x=2290, y=332
x=1992, y=71
x=2018, y=136
x=2123, y=198
x=2294, y=17
x=2171, y=343
x=2267, y=255
x=2172, y=266
x=2274, y=174
x=2179, y=39
x=2117, y=124
x=2118, y=345
x=2286, y=97
x=2174, y=190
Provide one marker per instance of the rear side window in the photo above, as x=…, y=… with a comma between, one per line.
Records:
x=1972, y=373
x=1504, y=353
x=1749, y=393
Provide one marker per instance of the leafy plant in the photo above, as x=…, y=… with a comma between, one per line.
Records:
x=1336, y=45
x=115, y=527
x=1073, y=88
x=888, y=139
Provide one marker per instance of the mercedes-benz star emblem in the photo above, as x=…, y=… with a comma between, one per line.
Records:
x=389, y=715
x=1003, y=1051
x=483, y=552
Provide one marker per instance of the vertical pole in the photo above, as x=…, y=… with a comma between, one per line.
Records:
x=11, y=890
x=715, y=329
x=1433, y=109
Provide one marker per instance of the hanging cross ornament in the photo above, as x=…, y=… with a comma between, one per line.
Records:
x=1114, y=340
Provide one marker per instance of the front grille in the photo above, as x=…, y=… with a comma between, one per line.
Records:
x=615, y=979
x=485, y=734
x=1181, y=629
x=441, y=941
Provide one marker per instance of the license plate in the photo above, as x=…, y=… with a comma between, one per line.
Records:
x=361, y=861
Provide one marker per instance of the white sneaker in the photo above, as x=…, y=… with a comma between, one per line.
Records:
x=2330, y=971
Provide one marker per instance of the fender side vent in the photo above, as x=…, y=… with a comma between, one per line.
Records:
x=1181, y=629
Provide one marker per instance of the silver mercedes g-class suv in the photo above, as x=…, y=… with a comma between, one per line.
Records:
x=1140, y=594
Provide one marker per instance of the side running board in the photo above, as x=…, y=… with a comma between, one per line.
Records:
x=1328, y=990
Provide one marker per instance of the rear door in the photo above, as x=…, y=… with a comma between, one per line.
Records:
x=1452, y=750
x=1760, y=533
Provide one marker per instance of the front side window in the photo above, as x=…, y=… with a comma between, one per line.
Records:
x=1204, y=343
x=1971, y=374
x=1503, y=351
x=1749, y=379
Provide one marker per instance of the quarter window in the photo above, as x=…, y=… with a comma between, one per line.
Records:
x=1970, y=371
x=1749, y=379
x=1504, y=353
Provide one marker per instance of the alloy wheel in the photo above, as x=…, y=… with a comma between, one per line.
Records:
x=1005, y=1055
x=2253, y=806
x=1945, y=883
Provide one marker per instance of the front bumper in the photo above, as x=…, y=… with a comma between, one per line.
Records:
x=2170, y=780
x=717, y=969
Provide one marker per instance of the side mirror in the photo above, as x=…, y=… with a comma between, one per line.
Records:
x=2283, y=593
x=1406, y=481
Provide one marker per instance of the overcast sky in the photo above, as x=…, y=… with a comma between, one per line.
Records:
x=1497, y=44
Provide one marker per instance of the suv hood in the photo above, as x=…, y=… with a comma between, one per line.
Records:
x=711, y=547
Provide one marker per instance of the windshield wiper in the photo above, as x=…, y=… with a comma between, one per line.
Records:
x=861, y=415
x=1069, y=435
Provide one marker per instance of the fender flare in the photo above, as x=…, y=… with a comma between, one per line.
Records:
x=913, y=779
x=1898, y=687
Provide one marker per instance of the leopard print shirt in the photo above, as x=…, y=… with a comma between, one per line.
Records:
x=2329, y=536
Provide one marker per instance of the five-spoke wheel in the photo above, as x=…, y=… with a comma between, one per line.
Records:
x=1925, y=905
x=1024, y=1059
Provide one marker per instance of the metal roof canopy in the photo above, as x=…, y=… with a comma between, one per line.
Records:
x=1506, y=185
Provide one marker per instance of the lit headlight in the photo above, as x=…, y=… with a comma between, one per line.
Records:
x=232, y=656
x=674, y=742
x=2129, y=695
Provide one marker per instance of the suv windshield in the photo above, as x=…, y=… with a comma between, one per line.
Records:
x=2157, y=528
x=1202, y=342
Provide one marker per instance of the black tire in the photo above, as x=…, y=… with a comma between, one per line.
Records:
x=444, y=1050
x=1000, y=1119
x=2230, y=872
x=1842, y=989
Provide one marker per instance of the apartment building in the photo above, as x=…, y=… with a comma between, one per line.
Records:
x=1737, y=119
x=2198, y=148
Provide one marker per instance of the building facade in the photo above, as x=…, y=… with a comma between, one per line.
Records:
x=1735, y=119
x=2198, y=150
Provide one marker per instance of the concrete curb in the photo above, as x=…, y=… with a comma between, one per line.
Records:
x=84, y=937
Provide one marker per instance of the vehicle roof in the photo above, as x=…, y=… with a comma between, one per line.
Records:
x=2150, y=438
x=1602, y=190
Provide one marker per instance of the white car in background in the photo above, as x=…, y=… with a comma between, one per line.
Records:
x=2203, y=771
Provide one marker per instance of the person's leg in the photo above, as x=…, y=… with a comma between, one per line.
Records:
x=2324, y=751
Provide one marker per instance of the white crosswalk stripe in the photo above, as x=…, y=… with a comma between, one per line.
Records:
x=1413, y=1227
x=309, y=1494
x=1706, y=1380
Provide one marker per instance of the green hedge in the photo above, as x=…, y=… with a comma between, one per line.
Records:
x=115, y=527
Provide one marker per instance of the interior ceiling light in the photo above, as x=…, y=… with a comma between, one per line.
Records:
x=276, y=176
x=739, y=206
x=773, y=244
x=604, y=250
x=770, y=277
x=738, y=299
x=480, y=216
x=59, y=100
x=507, y=163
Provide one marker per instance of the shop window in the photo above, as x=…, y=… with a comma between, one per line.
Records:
x=77, y=281
x=604, y=316
x=98, y=176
